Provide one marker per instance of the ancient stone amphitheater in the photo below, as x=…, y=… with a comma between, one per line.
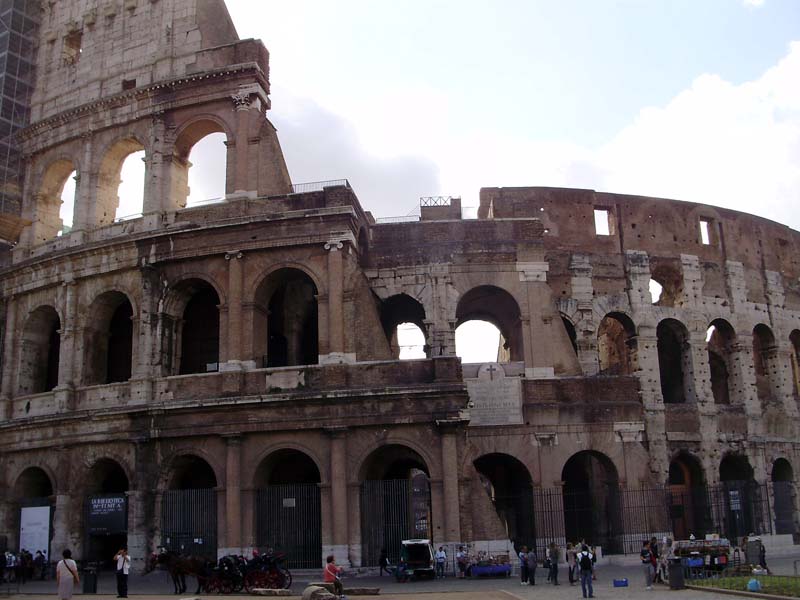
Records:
x=225, y=377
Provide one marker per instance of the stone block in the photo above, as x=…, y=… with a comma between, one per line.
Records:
x=316, y=592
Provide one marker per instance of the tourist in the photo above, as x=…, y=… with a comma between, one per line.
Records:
x=593, y=550
x=461, y=559
x=331, y=574
x=532, y=560
x=555, y=556
x=656, y=556
x=646, y=556
x=123, y=568
x=66, y=576
x=570, y=552
x=523, y=565
x=585, y=563
x=441, y=560
x=384, y=563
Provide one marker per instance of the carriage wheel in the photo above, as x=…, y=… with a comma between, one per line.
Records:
x=255, y=579
x=238, y=584
x=211, y=585
x=226, y=586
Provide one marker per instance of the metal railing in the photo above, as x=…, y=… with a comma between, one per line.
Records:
x=437, y=200
x=318, y=186
x=405, y=219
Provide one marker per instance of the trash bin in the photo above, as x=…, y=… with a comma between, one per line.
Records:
x=90, y=581
x=675, y=574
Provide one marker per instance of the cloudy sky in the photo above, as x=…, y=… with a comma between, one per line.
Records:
x=676, y=98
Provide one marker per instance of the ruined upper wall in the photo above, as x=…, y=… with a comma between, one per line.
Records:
x=90, y=49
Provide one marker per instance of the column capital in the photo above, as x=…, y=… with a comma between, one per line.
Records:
x=336, y=432
x=451, y=426
x=232, y=439
x=231, y=254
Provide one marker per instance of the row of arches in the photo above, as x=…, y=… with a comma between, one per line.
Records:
x=70, y=194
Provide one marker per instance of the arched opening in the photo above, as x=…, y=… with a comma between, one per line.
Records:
x=120, y=182
x=109, y=340
x=687, y=497
x=495, y=306
x=395, y=502
x=743, y=497
x=674, y=361
x=720, y=337
x=189, y=508
x=794, y=338
x=200, y=165
x=666, y=286
x=783, y=494
x=571, y=333
x=199, y=328
x=285, y=319
x=403, y=320
x=33, y=500
x=288, y=507
x=106, y=511
x=505, y=483
x=615, y=340
x=68, y=198
x=41, y=345
x=591, y=500
x=764, y=362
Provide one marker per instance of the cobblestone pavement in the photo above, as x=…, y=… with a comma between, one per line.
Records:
x=158, y=585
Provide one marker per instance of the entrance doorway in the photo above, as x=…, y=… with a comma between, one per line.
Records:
x=105, y=512
x=742, y=497
x=189, y=508
x=687, y=497
x=783, y=493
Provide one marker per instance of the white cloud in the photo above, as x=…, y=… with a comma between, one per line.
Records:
x=753, y=3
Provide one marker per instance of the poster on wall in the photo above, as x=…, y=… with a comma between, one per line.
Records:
x=108, y=514
x=34, y=529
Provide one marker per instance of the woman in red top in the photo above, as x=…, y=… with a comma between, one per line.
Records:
x=331, y=575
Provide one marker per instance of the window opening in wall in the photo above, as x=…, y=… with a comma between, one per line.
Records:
x=719, y=338
x=666, y=285
x=67, y=209
x=656, y=289
x=602, y=221
x=795, y=339
x=764, y=362
x=705, y=235
x=410, y=341
x=673, y=361
x=207, y=167
x=131, y=187
x=73, y=47
x=480, y=342
x=571, y=333
x=615, y=337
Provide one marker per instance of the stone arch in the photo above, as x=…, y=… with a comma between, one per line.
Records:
x=109, y=177
x=288, y=512
x=399, y=309
x=591, y=499
x=720, y=340
x=616, y=338
x=192, y=326
x=33, y=482
x=395, y=500
x=674, y=361
x=687, y=496
x=189, y=133
x=272, y=449
x=179, y=291
x=743, y=501
x=765, y=363
x=48, y=223
x=286, y=319
x=188, y=471
x=670, y=278
x=108, y=339
x=106, y=483
x=784, y=496
x=498, y=307
x=40, y=348
x=504, y=483
x=106, y=476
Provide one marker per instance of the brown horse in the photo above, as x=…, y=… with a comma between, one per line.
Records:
x=179, y=566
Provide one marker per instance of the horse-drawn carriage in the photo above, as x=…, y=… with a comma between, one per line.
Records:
x=231, y=574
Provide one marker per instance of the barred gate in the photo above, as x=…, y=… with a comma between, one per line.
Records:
x=288, y=520
x=392, y=510
x=783, y=493
x=740, y=507
x=189, y=522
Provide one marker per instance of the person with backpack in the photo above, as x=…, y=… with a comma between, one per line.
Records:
x=585, y=563
x=532, y=566
x=646, y=556
x=555, y=556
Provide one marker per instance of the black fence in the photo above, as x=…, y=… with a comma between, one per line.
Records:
x=288, y=520
x=189, y=522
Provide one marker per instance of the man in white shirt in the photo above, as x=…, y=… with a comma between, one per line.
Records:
x=441, y=559
x=123, y=568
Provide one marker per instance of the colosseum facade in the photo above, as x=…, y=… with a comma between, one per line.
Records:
x=227, y=376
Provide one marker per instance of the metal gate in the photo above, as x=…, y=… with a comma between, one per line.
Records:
x=393, y=510
x=288, y=520
x=189, y=522
x=594, y=514
x=783, y=493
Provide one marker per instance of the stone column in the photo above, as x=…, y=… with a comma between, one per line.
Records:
x=248, y=106
x=451, y=502
x=583, y=293
x=233, y=495
x=137, y=529
x=743, y=377
x=534, y=276
x=69, y=347
x=648, y=373
x=335, y=296
x=338, y=437
x=10, y=360
x=235, y=356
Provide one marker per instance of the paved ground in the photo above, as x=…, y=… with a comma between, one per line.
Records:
x=157, y=585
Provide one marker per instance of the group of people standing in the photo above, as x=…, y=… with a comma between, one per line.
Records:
x=651, y=560
x=22, y=567
x=580, y=565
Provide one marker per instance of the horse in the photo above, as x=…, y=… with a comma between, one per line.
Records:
x=179, y=566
